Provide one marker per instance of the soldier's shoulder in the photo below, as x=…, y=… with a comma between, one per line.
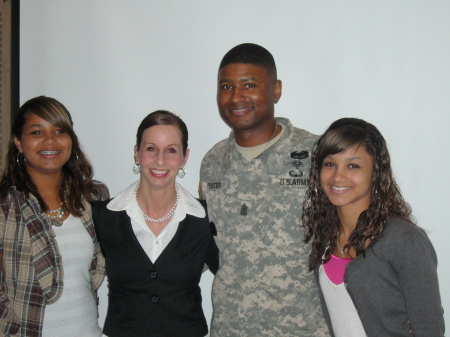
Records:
x=216, y=152
x=302, y=133
x=300, y=139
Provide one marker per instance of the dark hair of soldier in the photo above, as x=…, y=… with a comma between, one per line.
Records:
x=163, y=117
x=250, y=53
x=320, y=217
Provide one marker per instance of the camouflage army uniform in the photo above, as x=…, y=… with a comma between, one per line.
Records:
x=263, y=287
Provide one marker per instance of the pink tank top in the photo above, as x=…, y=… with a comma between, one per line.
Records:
x=335, y=269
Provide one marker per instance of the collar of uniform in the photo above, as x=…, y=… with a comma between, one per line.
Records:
x=280, y=152
x=270, y=159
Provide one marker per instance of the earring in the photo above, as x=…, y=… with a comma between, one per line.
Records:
x=136, y=168
x=181, y=172
x=18, y=160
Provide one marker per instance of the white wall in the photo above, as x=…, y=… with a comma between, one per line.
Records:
x=113, y=62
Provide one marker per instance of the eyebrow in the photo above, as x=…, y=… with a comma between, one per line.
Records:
x=151, y=143
x=349, y=159
x=34, y=125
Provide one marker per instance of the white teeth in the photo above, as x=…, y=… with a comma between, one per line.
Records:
x=340, y=188
x=159, y=172
x=241, y=109
x=49, y=152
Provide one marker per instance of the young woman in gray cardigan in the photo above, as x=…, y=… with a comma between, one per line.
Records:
x=375, y=267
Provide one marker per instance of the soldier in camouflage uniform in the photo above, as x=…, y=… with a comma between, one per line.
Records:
x=254, y=183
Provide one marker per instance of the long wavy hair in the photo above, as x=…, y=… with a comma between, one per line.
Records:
x=320, y=217
x=76, y=180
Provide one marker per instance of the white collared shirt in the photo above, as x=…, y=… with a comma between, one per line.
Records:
x=152, y=245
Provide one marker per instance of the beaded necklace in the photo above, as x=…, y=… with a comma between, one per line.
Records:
x=165, y=217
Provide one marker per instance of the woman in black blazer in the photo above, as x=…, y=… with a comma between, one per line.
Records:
x=156, y=239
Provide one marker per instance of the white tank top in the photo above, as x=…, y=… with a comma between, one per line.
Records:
x=344, y=318
x=75, y=313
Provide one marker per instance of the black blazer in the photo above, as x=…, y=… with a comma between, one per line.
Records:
x=161, y=299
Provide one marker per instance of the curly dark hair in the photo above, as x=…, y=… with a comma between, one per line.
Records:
x=77, y=172
x=320, y=217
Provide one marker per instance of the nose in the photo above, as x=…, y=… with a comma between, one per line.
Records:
x=49, y=138
x=238, y=95
x=339, y=174
x=161, y=158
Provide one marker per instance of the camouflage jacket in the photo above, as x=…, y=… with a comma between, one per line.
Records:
x=263, y=287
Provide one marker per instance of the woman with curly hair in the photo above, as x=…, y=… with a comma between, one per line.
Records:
x=376, y=268
x=51, y=265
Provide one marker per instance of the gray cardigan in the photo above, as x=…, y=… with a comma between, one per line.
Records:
x=394, y=282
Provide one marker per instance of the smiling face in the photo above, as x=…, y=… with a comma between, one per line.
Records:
x=45, y=146
x=160, y=155
x=246, y=95
x=346, y=179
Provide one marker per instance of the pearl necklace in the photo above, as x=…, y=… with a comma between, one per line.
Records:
x=165, y=217
x=57, y=219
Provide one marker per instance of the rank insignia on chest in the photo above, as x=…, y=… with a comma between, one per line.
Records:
x=244, y=210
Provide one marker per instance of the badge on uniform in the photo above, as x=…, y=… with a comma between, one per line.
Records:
x=297, y=163
x=244, y=209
